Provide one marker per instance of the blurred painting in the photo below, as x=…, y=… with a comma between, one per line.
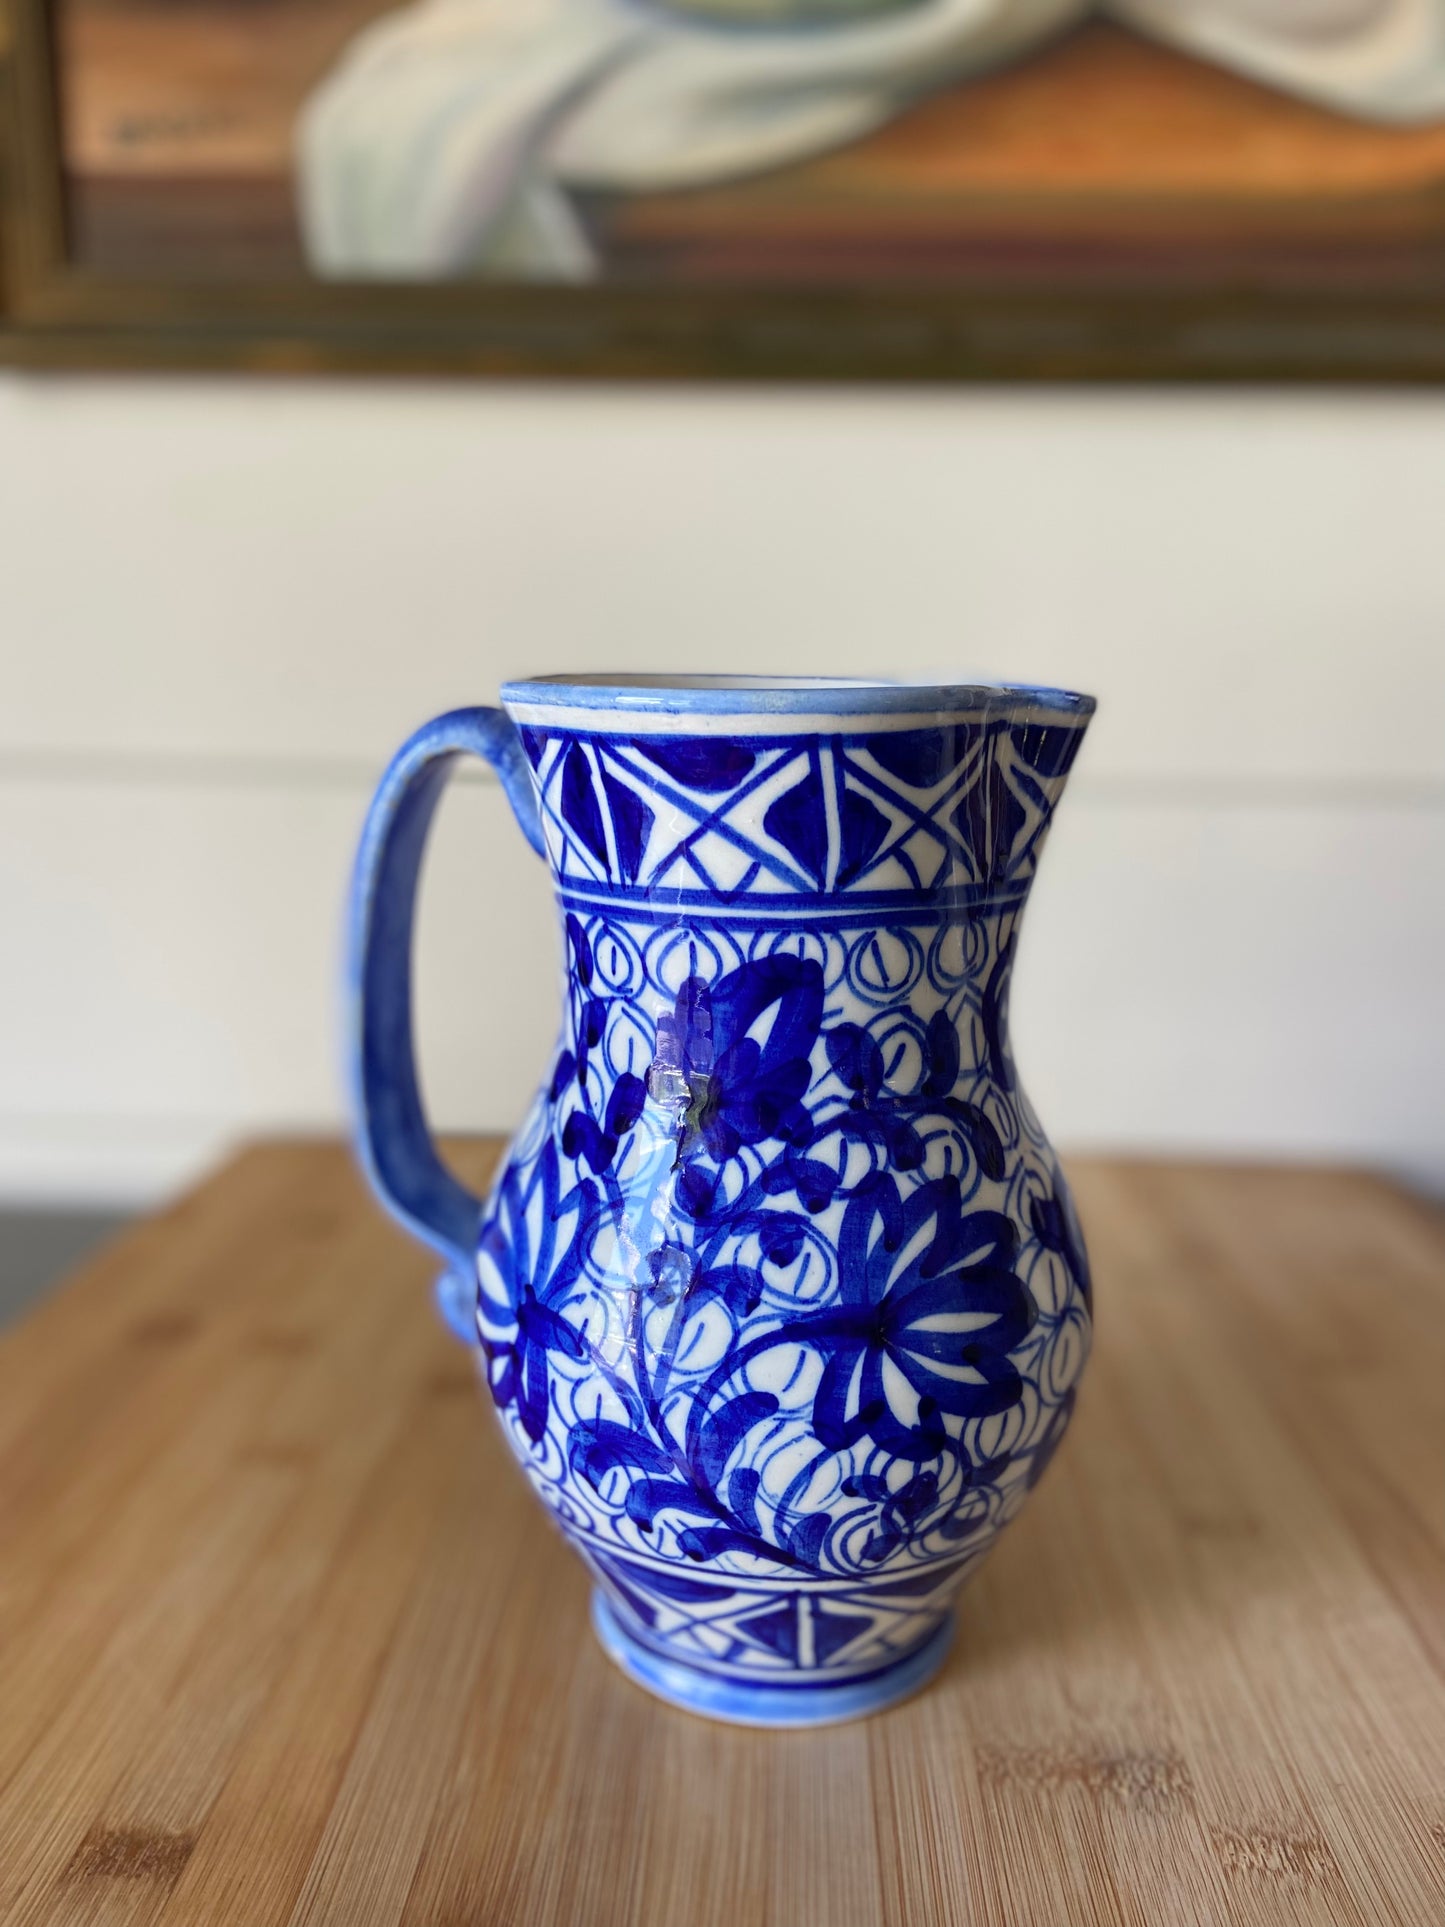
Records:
x=918, y=189
x=809, y=144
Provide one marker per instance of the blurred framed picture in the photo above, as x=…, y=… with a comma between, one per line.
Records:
x=802, y=188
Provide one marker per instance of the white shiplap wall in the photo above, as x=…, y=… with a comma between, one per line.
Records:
x=222, y=603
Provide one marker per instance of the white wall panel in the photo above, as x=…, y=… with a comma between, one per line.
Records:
x=180, y=960
x=1240, y=980
x=1231, y=978
x=1255, y=585
x=221, y=605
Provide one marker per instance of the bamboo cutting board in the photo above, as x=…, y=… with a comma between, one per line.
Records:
x=285, y=1639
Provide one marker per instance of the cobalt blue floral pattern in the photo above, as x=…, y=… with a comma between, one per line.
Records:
x=783, y=1299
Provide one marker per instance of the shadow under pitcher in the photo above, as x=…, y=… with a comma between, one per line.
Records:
x=779, y=1292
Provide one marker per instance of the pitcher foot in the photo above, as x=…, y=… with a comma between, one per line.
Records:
x=803, y=1704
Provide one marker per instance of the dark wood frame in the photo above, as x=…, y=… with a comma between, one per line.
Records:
x=53, y=313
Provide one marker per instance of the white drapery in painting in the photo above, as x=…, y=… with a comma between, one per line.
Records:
x=451, y=136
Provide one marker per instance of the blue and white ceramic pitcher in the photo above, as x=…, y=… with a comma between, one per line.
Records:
x=780, y=1292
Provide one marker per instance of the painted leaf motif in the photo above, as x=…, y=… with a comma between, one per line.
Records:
x=798, y=820
x=941, y=1051
x=708, y=763
x=581, y=811
x=857, y=1060
x=919, y=758
x=600, y=1446
x=581, y=951
x=1047, y=748
x=626, y=1104
x=743, y=1484
x=862, y=829
x=720, y=1432
x=631, y=824
x=988, y=821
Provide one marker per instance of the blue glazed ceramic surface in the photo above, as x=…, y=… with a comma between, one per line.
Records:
x=780, y=1292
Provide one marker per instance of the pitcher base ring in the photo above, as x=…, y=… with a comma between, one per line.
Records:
x=762, y=1705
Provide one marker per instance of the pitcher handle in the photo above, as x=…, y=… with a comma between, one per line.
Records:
x=395, y=1146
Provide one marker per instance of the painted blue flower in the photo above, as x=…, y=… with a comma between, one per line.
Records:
x=890, y=1120
x=900, y=1512
x=911, y=1509
x=710, y=1509
x=537, y=1271
x=598, y=1144
x=520, y=1368
x=734, y=1057
x=585, y=1137
x=929, y=1309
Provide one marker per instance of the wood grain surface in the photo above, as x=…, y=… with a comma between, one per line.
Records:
x=284, y=1638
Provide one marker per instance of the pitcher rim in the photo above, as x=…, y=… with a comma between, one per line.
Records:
x=665, y=694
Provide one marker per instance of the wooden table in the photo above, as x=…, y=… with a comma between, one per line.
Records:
x=284, y=1638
